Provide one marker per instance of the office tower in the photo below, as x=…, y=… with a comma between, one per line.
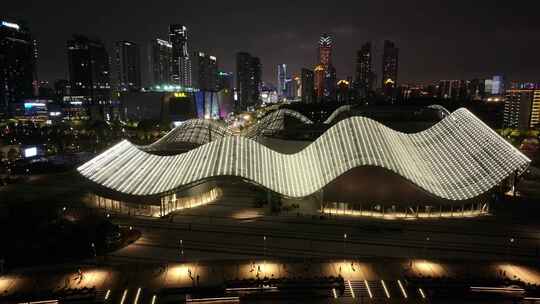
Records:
x=330, y=81
x=248, y=80
x=204, y=72
x=521, y=109
x=298, y=87
x=364, y=70
x=325, y=50
x=476, y=89
x=88, y=63
x=456, y=90
x=128, y=66
x=281, y=77
x=181, y=62
x=497, y=85
x=17, y=64
x=343, y=91
x=36, y=82
x=290, y=89
x=319, y=73
x=325, y=80
x=159, y=61
x=61, y=89
x=225, y=81
x=225, y=89
x=390, y=68
x=308, y=89
x=488, y=86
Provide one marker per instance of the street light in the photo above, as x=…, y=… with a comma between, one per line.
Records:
x=264, y=239
x=426, y=246
x=94, y=249
x=512, y=240
x=182, y=248
x=344, y=238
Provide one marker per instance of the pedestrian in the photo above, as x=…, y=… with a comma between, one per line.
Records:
x=198, y=280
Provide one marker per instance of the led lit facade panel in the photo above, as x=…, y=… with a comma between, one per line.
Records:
x=457, y=159
x=202, y=131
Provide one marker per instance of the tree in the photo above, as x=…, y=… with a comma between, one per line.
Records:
x=12, y=154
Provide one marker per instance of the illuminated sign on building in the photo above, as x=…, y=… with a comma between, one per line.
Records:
x=180, y=94
x=11, y=25
x=29, y=105
x=30, y=152
x=164, y=43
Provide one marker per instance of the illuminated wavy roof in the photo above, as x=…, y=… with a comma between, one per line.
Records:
x=457, y=159
x=202, y=131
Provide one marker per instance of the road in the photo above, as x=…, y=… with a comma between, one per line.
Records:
x=221, y=237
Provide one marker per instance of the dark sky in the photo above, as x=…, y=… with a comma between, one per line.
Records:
x=459, y=39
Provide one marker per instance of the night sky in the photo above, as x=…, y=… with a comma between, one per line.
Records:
x=459, y=39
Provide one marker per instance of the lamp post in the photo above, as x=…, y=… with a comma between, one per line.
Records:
x=344, y=239
x=94, y=251
x=426, y=247
x=182, y=249
x=511, y=242
x=264, y=239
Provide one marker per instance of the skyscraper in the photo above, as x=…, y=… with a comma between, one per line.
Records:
x=225, y=81
x=307, y=84
x=325, y=86
x=522, y=109
x=364, y=70
x=390, y=68
x=128, y=66
x=17, y=64
x=330, y=82
x=180, y=63
x=325, y=50
x=319, y=73
x=248, y=80
x=225, y=93
x=159, y=59
x=497, y=85
x=205, y=72
x=88, y=63
x=281, y=77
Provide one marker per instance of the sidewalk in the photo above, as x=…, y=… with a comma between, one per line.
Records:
x=175, y=275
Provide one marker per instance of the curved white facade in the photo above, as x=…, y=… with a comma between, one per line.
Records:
x=457, y=159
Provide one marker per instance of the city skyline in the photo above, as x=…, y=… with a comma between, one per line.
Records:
x=449, y=47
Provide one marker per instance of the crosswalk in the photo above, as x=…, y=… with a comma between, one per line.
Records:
x=126, y=296
x=355, y=291
x=381, y=291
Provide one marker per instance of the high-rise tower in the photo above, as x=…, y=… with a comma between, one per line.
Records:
x=128, y=66
x=325, y=73
x=180, y=63
x=89, y=72
x=159, y=59
x=17, y=63
x=281, y=77
x=390, y=68
x=364, y=71
x=325, y=50
x=248, y=80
